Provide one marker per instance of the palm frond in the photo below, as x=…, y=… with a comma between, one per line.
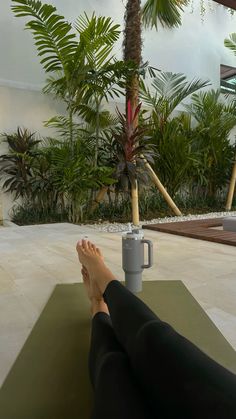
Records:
x=94, y=116
x=211, y=113
x=62, y=124
x=170, y=90
x=97, y=38
x=165, y=12
x=52, y=33
x=231, y=42
x=56, y=85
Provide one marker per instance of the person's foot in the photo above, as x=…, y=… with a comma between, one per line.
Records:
x=91, y=258
x=98, y=304
x=92, y=289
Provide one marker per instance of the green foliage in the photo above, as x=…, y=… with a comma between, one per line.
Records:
x=67, y=130
x=168, y=91
x=83, y=69
x=52, y=33
x=175, y=155
x=165, y=12
x=171, y=134
x=28, y=214
x=94, y=115
x=210, y=141
x=231, y=42
x=152, y=205
x=72, y=176
x=57, y=178
x=15, y=167
x=97, y=38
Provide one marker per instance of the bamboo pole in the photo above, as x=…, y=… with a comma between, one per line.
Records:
x=134, y=185
x=99, y=198
x=135, y=203
x=161, y=188
x=231, y=189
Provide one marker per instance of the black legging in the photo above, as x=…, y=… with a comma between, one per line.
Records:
x=141, y=367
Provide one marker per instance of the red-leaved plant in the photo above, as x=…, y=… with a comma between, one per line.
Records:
x=126, y=148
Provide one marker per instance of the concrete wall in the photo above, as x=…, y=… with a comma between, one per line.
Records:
x=195, y=49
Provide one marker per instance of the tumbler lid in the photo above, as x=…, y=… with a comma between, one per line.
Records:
x=135, y=234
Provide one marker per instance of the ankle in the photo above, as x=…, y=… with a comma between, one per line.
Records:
x=105, y=283
x=98, y=306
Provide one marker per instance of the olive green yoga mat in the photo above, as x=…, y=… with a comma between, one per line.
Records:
x=49, y=379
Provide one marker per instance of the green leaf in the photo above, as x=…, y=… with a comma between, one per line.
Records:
x=52, y=33
x=231, y=42
x=165, y=12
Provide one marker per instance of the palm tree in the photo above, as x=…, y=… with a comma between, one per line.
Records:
x=171, y=133
x=78, y=59
x=164, y=12
x=215, y=120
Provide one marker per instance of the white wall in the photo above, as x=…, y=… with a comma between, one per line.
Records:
x=24, y=108
x=195, y=49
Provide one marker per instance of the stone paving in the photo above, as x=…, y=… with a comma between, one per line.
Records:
x=35, y=258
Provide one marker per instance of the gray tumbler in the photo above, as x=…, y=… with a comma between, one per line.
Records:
x=133, y=258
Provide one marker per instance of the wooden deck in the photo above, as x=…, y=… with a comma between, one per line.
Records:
x=197, y=229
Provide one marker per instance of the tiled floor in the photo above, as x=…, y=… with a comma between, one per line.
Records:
x=35, y=258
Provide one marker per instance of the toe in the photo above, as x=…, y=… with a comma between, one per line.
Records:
x=98, y=251
x=78, y=245
x=93, y=247
x=85, y=245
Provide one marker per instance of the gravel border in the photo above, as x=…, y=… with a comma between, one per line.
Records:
x=119, y=227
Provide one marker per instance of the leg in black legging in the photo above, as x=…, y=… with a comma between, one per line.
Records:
x=179, y=380
x=116, y=395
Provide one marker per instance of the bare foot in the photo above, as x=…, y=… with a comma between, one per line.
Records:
x=91, y=258
x=97, y=302
x=93, y=291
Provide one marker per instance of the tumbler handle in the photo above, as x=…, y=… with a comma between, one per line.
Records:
x=150, y=254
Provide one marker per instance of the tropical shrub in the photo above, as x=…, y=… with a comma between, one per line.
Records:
x=16, y=166
x=51, y=176
x=171, y=134
x=214, y=120
x=125, y=148
x=73, y=176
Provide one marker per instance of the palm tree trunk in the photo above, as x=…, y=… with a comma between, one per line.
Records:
x=132, y=51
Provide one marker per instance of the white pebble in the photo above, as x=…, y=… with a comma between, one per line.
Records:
x=119, y=227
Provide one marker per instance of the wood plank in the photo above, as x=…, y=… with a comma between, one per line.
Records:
x=197, y=229
x=227, y=3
